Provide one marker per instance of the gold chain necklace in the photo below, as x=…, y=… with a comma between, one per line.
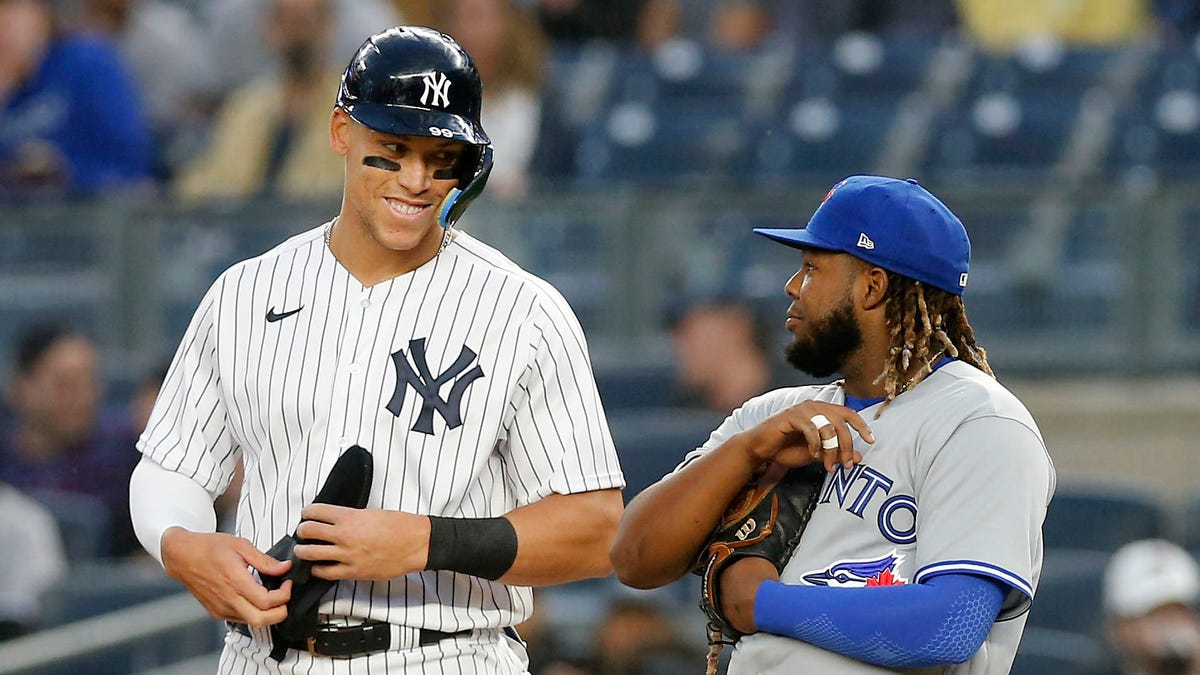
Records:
x=448, y=236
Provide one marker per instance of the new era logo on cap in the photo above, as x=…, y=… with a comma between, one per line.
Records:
x=895, y=224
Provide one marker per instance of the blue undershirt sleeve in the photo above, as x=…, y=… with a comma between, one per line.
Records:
x=943, y=620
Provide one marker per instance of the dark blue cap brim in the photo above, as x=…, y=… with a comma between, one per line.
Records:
x=797, y=238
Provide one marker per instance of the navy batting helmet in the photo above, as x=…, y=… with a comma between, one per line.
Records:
x=416, y=81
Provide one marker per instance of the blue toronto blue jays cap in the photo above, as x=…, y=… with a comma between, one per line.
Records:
x=895, y=224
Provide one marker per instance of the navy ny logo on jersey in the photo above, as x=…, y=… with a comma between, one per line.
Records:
x=428, y=387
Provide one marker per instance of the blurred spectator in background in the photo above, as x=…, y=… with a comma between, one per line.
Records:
x=720, y=354
x=1179, y=20
x=739, y=25
x=417, y=12
x=165, y=48
x=544, y=644
x=1001, y=26
x=574, y=22
x=58, y=437
x=1151, y=590
x=271, y=137
x=509, y=49
x=144, y=397
x=827, y=19
x=639, y=637
x=31, y=558
x=71, y=121
x=235, y=29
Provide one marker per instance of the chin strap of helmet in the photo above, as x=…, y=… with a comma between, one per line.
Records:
x=457, y=200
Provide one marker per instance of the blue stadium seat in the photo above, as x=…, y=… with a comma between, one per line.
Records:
x=821, y=140
x=1015, y=113
x=1027, y=137
x=628, y=385
x=1069, y=593
x=1102, y=518
x=662, y=142
x=1158, y=125
x=651, y=442
x=887, y=67
x=682, y=113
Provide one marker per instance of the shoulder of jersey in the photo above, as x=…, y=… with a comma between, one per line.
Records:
x=971, y=388
x=777, y=399
x=289, y=245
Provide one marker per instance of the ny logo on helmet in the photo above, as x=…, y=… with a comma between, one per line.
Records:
x=437, y=88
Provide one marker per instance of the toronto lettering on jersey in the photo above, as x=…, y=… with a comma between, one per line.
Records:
x=428, y=386
x=859, y=486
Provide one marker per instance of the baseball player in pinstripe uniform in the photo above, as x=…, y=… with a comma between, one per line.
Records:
x=924, y=548
x=466, y=378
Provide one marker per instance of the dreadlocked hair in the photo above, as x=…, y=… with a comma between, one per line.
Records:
x=925, y=324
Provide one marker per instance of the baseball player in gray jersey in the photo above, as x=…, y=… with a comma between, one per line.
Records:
x=489, y=467
x=924, y=548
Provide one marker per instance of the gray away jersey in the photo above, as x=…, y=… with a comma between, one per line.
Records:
x=468, y=379
x=957, y=481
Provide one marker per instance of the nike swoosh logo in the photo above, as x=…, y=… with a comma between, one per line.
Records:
x=272, y=317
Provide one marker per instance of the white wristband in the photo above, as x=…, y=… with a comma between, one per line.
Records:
x=160, y=499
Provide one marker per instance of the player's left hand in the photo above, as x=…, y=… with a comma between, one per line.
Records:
x=362, y=543
x=739, y=585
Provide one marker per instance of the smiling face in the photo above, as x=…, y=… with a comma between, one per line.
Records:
x=394, y=186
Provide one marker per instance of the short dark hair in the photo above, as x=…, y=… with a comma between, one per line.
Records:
x=36, y=340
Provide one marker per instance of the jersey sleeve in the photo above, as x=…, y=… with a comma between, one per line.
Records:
x=188, y=429
x=559, y=440
x=981, y=506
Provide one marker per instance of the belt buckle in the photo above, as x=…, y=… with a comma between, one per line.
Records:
x=311, y=641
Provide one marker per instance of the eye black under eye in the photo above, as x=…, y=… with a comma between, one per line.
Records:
x=378, y=162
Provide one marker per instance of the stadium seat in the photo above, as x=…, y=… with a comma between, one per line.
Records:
x=651, y=442
x=664, y=141
x=1158, y=124
x=681, y=113
x=993, y=132
x=1102, y=518
x=628, y=385
x=887, y=67
x=1015, y=113
x=821, y=140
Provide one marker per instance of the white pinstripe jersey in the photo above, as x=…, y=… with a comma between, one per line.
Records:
x=957, y=481
x=468, y=379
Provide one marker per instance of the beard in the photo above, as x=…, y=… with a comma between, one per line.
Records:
x=833, y=338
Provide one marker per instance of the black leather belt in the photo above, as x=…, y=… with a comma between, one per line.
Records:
x=365, y=638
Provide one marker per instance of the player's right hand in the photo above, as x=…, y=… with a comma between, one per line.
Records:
x=215, y=568
x=790, y=437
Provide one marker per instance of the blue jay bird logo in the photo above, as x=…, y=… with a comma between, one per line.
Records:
x=859, y=573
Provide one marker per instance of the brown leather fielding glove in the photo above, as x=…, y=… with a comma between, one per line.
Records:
x=764, y=520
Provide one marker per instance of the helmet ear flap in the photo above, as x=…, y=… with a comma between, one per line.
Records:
x=471, y=183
